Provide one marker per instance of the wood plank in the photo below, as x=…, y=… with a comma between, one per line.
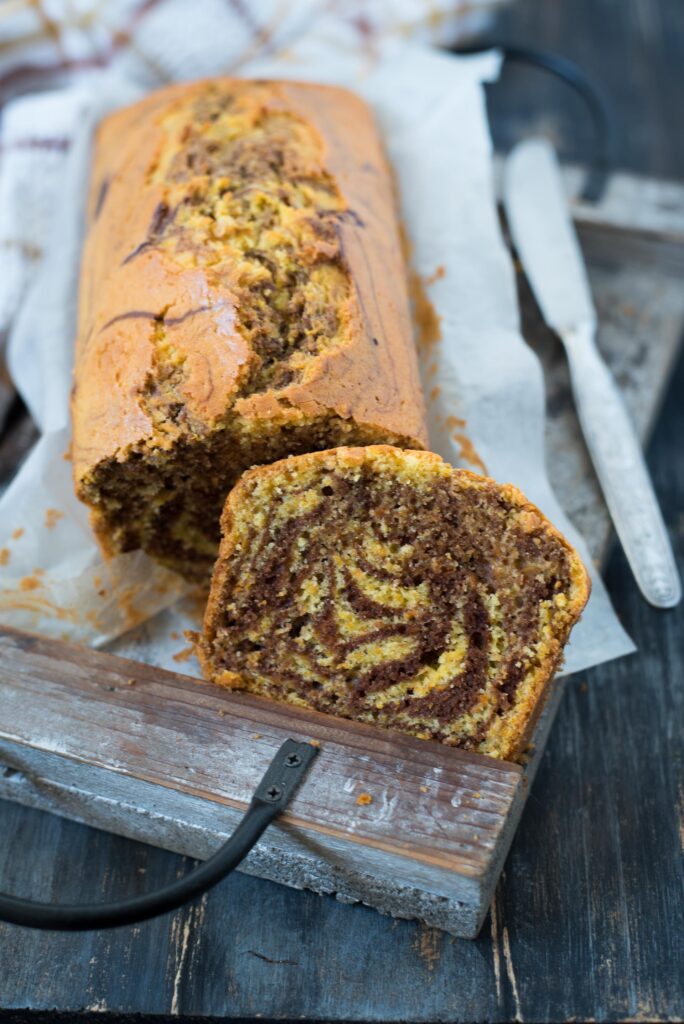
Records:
x=439, y=819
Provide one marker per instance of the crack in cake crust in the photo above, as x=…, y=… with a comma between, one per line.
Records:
x=250, y=199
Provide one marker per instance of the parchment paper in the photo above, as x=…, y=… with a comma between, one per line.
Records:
x=484, y=385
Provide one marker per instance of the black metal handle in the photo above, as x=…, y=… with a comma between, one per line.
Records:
x=272, y=795
x=573, y=75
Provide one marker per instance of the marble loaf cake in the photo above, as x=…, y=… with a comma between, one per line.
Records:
x=242, y=298
x=385, y=586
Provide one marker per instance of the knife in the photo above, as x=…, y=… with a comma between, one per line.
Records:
x=543, y=235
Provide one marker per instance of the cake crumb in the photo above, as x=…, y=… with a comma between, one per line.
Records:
x=18, y=533
x=4, y=556
x=221, y=713
x=183, y=655
x=438, y=274
x=424, y=789
x=52, y=517
x=466, y=449
x=29, y=583
x=130, y=682
x=314, y=743
x=427, y=321
x=256, y=735
x=363, y=799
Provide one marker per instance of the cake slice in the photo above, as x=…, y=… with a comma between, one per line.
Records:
x=385, y=586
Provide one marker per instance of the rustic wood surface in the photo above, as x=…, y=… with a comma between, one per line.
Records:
x=589, y=919
x=412, y=828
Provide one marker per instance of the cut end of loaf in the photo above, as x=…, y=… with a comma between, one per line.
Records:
x=168, y=500
x=384, y=586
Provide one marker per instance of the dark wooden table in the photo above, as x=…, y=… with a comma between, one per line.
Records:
x=588, y=920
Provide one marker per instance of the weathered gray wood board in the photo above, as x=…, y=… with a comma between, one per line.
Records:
x=157, y=756
x=157, y=760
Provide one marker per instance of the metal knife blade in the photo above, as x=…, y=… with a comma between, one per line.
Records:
x=542, y=232
x=544, y=236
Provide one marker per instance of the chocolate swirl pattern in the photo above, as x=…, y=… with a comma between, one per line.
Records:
x=385, y=586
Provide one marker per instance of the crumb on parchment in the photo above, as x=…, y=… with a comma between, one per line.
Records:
x=29, y=583
x=52, y=517
x=438, y=274
x=184, y=654
x=363, y=799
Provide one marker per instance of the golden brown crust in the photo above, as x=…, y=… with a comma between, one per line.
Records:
x=508, y=734
x=372, y=380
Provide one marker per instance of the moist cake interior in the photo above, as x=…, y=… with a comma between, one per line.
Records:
x=395, y=591
x=169, y=501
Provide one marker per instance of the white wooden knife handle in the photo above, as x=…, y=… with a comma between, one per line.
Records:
x=620, y=466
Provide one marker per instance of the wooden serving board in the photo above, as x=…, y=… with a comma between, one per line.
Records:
x=159, y=757
x=170, y=760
